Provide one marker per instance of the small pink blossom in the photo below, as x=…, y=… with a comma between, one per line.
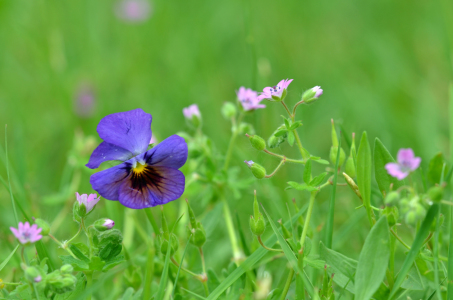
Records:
x=249, y=99
x=249, y=163
x=133, y=10
x=37, y=279
x=89, y=201
x=407, y=162
x=318, y=91
x=109, y=223
x=191, y=111
x=275, y=93
x=26, y=233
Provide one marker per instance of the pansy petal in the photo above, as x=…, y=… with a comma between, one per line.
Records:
x=108, y=182
x=105, y=152
x=171, y=152
x=155, y=186
x=130, y=130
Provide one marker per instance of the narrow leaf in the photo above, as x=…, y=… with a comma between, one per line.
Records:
x=373, y=260
x=422, y=234
x=318, y=179
x=8, y=258
x=338, y=262
x=382, y=157
x=364, y=175
x=307, y=172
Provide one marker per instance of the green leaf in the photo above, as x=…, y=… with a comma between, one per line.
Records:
x=281, y=132
x=300, y=187
x=180, y=265
x=382, y=157
x=318, y=179
x=110, y=251
x=373, y=260
x=290, y=256
x=364, y=175
x=193, y=294
x=422, y=234
x=113, y=263
x=77, y=264
x=8, y=258
x=307, y=172
x=287, y=122
x=96, y=264
x=339, y=263
x=436, y=165
x=250, y=262
x=79, y=253
x=291, y=138
x=319, y=160
x=295, y=125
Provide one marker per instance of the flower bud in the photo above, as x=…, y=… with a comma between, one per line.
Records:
x=43, y=225
x=33, y=275
x=311, y=95
x=229, y=110
x=350, y=167
x=436, y=193
x=257, y=224
x=104, y=224
x=286, y=233
x=441, y=221
x=257, y=170
x=391, y=198
x=257, y=142
x=66, y=269
x=416, y=213
x=192, y=115
x=392, y=215
x=246, y=127
x=196, y=232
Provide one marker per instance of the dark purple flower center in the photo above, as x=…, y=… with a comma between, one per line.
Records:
x=275, y=89
x=144, y=176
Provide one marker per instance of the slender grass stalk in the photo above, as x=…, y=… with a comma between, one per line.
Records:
x=237, y=253
x=436, y=256
x=9, y=179
x=330, y=218
x=150, y=216
x=450, y=227
x=307, y=218
x=149, y=273
x=287, y=284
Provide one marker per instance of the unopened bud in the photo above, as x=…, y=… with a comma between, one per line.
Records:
x=104, y=224
x=392, y=215
x=391, y=198
x=33, y=275
x=257, y=170
x=198, y=237
x=311, y=95
x=333, y=156
x=229, y=110
x=43, y=225
x=66, y=269
x=350, y=167
x=257, y=224
x=257, y=142
x=174, y=244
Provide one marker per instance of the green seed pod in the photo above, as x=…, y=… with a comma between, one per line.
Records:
x=404, y=205
x=44, y=226
x=257, y=170
x=229, y=110
x=391, y=198
x=350, y=167
x=198, y=237
x=257, y=224
x=333, y=155
x=436, y=193
x=174, y=245
x=257, y=142
x=66, y=269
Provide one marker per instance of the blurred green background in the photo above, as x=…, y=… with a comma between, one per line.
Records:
x=384, y=67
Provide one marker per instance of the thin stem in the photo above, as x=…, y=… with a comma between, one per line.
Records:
x=296, y=135
x=88, y=235
x=287, y=109
x=11, y=283
x=400, y=240
x=237, y=254
x=287, y=284
x=78, y=232
x=282, y=162
x=232, y=140
x=89, y=276
x=307, y=218
x=296, y=105
x=63, y=246
x=22, y=254
x=296, y=161
x=203, y=264
x=197, y=276
x=267, y=248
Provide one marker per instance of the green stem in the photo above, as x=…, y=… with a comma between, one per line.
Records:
x=450, y=258
x=78, y=232
x=237, y=254
x=267, y=248
x=296, y=105
x=197, y=276
x=330, y=218
x=147, y=292
x=296, y=161
x=150, y=216
x=282, y=162
x=88, y=236
x=391, y=269
x=296, y=135
x=232, y=140
x=307, y=218
x=89, y=276
x=287, y=284
x=62, y=246
x=203, y=264
x=436, y=257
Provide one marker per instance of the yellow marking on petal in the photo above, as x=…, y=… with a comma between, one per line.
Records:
x=139, y=168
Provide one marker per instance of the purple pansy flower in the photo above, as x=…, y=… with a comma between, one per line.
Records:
x=26, y=233
x=191, y=111
x=275, y=93
x=146, y=178
x=249, y=99
x=407, y=163
x=89, y=201
x=133, y=10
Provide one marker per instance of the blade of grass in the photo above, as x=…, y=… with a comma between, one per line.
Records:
x=179, y=268
x=193, y=294
x=8, y=258
x=150, y=216
x=290, y=255
x=7, y=174
x=450, y=246
x=364, y=175
x=249, y=262
x=164, y=278
x=330, y=218
x=422, y=234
